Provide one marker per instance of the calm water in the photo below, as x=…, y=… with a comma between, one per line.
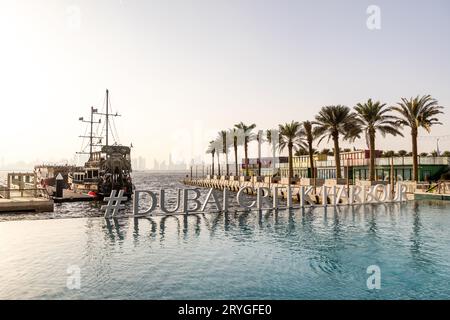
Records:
x=311, y=254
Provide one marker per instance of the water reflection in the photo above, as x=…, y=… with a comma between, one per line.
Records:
x=115, y=229
x=153, y=228
x=196, y=225
x=324, y=233
x=306, y=253
x=337, y=226
x=420, y=250
x=415, y=236
x=136, y=231
x=162, y=226
x=331, y=222
x=373, y=230
x=301, y=253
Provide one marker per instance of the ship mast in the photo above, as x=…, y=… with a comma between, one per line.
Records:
x=91, y=122
x=91, y=133
x=107, y=115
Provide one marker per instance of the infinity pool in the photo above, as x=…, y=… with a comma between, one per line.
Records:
x=312, y=254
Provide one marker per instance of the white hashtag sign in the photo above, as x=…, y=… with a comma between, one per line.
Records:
x=114, y=203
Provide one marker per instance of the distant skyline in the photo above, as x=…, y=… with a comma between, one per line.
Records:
x=180, y=71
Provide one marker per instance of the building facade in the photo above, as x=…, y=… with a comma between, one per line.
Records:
x=354, y=166
x=301, y=166
x=267, y=165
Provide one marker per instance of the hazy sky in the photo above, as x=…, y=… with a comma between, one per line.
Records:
x=178, y=71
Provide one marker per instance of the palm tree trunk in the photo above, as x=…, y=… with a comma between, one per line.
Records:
x=372, y=156
x=414, y=154
x=337, y=157
x=218, y=162
x=311, y=160
x=246, y=156
x=235, y=159
x=259, y=154
x=212, y=166
x=311, y=164
x=259, y=165
x=273, y=160
x=291, y=167
x=226, y=163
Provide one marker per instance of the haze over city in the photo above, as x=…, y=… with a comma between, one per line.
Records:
x=179, y=71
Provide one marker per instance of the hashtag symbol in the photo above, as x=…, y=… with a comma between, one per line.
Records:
x=114, y=203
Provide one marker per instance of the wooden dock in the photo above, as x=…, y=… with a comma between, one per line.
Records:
x=69, y=196
x=39, y=204
x=22, y=194
x=26, y=204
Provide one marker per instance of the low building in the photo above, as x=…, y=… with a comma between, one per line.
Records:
x=326, y=169
x=430, y=168
x=301, y=166
x=354, y=166
x=267, y=165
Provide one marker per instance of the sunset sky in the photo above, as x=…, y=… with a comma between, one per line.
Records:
x=179, y=71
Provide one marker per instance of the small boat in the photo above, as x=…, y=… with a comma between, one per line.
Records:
x=108, y=168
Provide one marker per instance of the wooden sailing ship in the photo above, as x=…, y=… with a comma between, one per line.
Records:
x=109, y=165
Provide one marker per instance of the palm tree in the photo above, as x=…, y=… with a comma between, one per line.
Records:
x=222, y=138
x=290, y=137
x=308, y=132
x=259, y=139
x=274, y=145
x=246, y=130
x=415, y=113
x=325, y=151
x=212, y=149
x=301, y=152
x=218, y=148
x=373, y=117
x=333, y=121
x=434, y=153
x=388, y=154
x=402, y=153
x=234, y=135
x=269, y=137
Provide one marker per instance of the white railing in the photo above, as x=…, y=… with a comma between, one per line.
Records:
x=344, y=163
